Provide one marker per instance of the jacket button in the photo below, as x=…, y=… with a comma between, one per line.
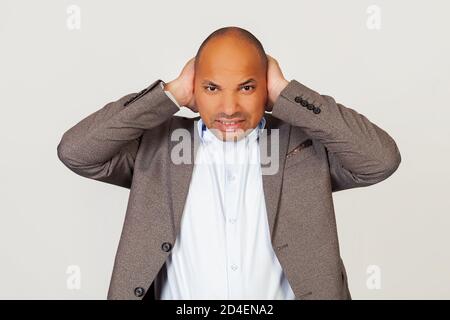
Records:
x=139, y=291
x=298, y=99
x=166, y=246
x=310, y=106
x=316, y=110
x=304, y=103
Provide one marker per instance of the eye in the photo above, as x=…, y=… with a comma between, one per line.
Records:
x=212, y=88
x=248, y=88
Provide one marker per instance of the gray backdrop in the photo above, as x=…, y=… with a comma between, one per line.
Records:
x=62, y=60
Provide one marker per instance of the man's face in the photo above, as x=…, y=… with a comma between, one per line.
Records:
x=230, y=87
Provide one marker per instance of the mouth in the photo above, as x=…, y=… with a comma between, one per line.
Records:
x=229, y=125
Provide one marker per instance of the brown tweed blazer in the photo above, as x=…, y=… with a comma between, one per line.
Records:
x=323, y=147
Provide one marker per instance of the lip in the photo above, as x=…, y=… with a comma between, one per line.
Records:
x=229, y=120
x=229, y=127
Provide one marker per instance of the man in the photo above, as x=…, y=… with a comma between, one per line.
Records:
x=211, y=228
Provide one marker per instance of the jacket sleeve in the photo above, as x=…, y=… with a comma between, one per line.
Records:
x=103, y=146
x=359, y=152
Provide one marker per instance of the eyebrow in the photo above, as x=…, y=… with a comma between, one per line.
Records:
x=209, y=82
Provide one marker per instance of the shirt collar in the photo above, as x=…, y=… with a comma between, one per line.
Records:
x=207, y=136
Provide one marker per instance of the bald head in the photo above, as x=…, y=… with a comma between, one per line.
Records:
x=234, y=36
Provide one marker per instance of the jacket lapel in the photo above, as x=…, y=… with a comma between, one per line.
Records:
x=275, y=147
x=180, y=174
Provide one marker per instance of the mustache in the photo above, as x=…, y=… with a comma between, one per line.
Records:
x=224, y=116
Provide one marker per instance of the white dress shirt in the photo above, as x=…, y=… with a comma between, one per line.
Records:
x=223, y=250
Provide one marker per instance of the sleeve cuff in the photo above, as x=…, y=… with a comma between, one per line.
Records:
x=169, y=94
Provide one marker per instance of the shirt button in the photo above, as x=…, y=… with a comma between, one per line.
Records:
x=234, y=267
x=231, y=220
x=230, y=176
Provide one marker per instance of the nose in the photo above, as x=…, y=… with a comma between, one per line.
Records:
x=230, y=104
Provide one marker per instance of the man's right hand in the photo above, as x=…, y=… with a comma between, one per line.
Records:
x=182, y=88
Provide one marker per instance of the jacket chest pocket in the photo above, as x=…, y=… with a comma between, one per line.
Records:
x=301, y=152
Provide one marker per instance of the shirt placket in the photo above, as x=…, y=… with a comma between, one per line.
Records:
x=232, y=190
